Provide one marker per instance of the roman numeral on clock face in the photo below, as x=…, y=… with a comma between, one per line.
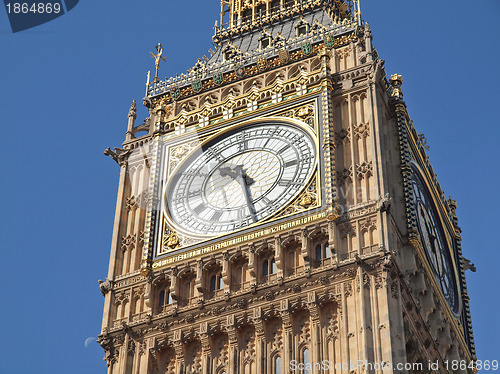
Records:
x=194, y=193
x=284, y=149
x=216, y=216
x=200, y=208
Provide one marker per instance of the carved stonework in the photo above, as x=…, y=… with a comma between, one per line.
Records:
x=131, y=347
x=363, y=170
x=119, y=155
x=308, y=199
x=379, y=282
x=395, y=289
x=368, y=224
x=178, y=153
x=305, y=113
x=347, y=229
x=344, y=175
x=348, y=290
x=366, y=281
x=362, y=130
x=343, y=136
x=277, y=336
x=105, y=287
x=305, y=330
x=249, y=350
x=130, y=203
x=128, y=242
x=332, y=325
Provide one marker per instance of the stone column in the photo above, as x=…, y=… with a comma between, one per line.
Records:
x=316, y=344
x=260, y=347
x=288, y=351
x=305, y=251
x=278, y=257
x=179, y=352
x=233, y=345
x=206, y=354
x=143, y=356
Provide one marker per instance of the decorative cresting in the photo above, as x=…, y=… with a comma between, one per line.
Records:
x=231, y=61
x=238, y=16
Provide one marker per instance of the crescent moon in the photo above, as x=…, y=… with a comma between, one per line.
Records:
x=88, y=341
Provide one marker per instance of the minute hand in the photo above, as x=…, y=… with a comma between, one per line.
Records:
x=242, y=179
x=239, y=174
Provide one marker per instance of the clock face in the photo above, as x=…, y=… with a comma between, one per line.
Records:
x=240, y=177
x=434, y=241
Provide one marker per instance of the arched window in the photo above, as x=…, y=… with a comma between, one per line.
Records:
x=216, y=282
x=323, y=254
x=306, y=361
x=318, y=253
x=265, y=268
x=187, y=290
x=221, y=283
x=328, y=253
x=277, y=365
x=164, y=298
x=269, y=267
x=161, y=299
x=239, y=269
x=273, y=269
x=291, y=261
x=213, y=283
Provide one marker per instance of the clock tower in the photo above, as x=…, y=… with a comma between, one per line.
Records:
x=277, y=212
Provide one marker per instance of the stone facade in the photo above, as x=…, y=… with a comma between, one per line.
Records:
x=339, y=275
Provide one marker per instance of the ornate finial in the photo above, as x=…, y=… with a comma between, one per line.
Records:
x=158, y=57
x=423, y=140
x=368, y=30
x=452, y=204
x=148, y=82
x=396, y=83
x=133, y=110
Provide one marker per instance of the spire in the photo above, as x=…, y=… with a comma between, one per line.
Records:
x=396, y=83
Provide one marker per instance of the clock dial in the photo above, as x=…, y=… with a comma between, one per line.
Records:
x=239, y=178
x=434, y=241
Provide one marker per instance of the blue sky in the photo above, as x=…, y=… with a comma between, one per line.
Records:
x=66, y=87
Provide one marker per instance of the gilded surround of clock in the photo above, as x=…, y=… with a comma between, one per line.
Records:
x=436, y=243
x=237, y=178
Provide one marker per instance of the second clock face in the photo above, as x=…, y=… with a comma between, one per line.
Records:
x=434, y=241
x=239, y=178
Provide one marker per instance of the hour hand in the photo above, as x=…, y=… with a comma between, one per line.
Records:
x=229, y=172
x=236, y=173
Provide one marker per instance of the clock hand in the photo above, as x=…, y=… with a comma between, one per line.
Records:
x=227, y=171
x=239, y=174
x=235, y=173
x=242, y=179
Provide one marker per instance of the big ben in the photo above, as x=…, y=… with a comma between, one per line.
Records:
x=277, y=212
